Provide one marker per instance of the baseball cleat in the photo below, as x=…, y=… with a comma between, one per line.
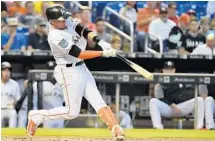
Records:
x=31, y=128
x=119, y=138
x=118, y=133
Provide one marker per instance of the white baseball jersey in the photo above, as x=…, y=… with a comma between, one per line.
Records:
x=10, y=93
x=61, y=42
x=54, y=98
x=52, y=95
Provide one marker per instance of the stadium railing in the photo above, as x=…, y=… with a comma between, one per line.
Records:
x=119, y=78
x=131, y=25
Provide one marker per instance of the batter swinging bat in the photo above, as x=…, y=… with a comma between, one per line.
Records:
x=137, y=68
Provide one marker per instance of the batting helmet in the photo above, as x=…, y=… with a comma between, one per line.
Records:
x=169, y=64
x=6, y=65
x=50, y=65
x=57, y=12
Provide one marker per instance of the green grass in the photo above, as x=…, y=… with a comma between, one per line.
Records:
x=104, y=133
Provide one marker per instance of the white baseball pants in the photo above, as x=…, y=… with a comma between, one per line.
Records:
x=53, y=123
x=209, y=112
x=11, y=115
x=158, y=108
x=22, y=118
x=76, y=82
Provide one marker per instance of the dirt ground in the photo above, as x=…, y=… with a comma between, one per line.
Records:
x=5, y=138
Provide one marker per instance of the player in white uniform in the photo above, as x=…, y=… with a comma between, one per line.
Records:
x=10, y=94
x=125, y=119
x=167, y=101
x=68, y=39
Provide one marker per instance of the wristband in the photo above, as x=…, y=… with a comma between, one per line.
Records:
x=96, y=39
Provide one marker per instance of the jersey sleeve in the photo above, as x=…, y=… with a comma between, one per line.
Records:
x=71, y=24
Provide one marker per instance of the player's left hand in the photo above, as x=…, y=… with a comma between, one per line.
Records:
x=104, y=45
x=175, y=110
x=109, y=53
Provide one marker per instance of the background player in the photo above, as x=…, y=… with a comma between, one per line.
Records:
x=68, y=39
x=124, y=118
x=167, y=102
x=10, y=94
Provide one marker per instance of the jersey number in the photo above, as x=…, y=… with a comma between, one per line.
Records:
x=75, y=39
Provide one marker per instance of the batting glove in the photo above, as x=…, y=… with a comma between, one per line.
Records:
x=104, y=45
x=109, y=53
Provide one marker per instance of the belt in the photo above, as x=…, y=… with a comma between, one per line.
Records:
x=75, y=64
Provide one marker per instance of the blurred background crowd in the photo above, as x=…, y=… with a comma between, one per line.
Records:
x=181, y=27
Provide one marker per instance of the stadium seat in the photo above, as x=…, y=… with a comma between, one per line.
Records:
x=97, y=9
x=114, y=20
x=141, y=4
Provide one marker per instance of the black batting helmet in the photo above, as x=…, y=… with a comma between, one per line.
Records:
x=57, y=12
x=6, y=65
x=169, y=64
x=50, y=65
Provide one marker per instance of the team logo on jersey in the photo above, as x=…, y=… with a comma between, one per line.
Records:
x=75, y=39
x=63, y=43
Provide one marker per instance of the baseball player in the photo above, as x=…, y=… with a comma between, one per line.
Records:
x=52, y=97
x=125, y=119
x=10, y=94
x=207, y=94
x=68, y=39
x=167, y=101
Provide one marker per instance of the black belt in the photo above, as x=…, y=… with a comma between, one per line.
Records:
x=76, y=64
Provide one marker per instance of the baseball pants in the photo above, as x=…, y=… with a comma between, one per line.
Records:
x=75, y=82
x=158, y=108
x=11, y=115
x=209, y=112
x=53, y=123
x=22, y=118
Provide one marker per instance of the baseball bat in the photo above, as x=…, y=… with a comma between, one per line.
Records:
x=137, y=68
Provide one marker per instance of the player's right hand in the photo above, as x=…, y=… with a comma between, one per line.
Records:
x=109, y=53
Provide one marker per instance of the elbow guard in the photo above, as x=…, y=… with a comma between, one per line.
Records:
x=75, y=51
x=82, y=31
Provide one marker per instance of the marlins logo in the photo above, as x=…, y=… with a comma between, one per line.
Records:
x=63, y=43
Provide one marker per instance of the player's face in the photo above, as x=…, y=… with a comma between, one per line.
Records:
x=60, y=24
x=168, y=70
x=5, y=75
